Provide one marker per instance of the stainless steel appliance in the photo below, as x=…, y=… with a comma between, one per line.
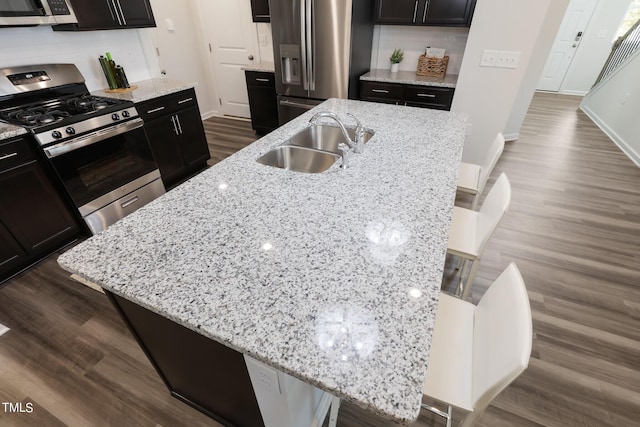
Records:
x=321, y=48
x=96, y=145
x=17, y=13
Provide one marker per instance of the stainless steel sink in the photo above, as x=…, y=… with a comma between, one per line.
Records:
x=299, y=159
x=325, y=138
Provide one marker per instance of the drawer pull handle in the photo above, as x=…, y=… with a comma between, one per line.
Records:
x=185, y=100
x=261, y=80
x=155, y=110
x=8, y=156
x=426, y=95
x=129, y=202
x=379, y=91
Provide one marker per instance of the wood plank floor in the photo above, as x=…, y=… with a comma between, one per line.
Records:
x=573, y=229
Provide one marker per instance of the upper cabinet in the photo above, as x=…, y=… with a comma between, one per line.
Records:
x=453, y=13
x=109, y=15
x=260, y=11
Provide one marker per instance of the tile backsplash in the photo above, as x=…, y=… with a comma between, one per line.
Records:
x=413, y=41
x=40, y=45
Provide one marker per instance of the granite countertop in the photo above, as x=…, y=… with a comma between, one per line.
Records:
x=9, y=131
x=410, y=78
x=264, y=66
x=148, y=89
x=333, y=278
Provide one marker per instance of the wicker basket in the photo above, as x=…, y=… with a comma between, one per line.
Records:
x=432, y=67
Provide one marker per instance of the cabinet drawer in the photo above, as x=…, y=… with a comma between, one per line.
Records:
x=259, y=78
x=15, y=152
x=385, y=91
x=429, y=96
x=167, y=104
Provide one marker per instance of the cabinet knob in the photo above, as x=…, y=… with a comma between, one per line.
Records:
x=250, y=57
x=163, y=72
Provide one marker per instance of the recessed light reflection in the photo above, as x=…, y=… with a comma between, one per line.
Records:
x=415, y=293
x=223, y=186
x=267, y=246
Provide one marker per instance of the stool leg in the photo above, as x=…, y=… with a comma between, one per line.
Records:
x=333, y=416
x=469, y=280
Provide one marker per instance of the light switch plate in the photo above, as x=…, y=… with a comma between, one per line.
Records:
x=508, y=59
x=489, y=58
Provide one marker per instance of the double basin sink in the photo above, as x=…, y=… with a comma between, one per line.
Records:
x=312, y=150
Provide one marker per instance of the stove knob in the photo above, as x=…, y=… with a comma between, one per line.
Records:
x=56, y=134
x=115, y=116
x=125, y=114
x=70, y=130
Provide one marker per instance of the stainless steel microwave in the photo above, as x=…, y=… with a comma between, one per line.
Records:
x=21, y=13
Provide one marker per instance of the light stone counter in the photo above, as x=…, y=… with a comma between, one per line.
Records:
x=264, y=67
x=409, y=78
x=9, y=131
x=333, y=278
x=148, y=89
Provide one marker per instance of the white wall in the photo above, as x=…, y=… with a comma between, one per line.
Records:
x=614, y=106
x=265, y=41
x=38, y=45
x=488, y=94
x=183, y=49
x=594, y=47
x=413, y=40
x=534, y=70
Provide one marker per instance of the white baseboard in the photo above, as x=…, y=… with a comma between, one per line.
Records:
x=511, y=136
x=208, y=114
x=617, y=139
x=574, y=92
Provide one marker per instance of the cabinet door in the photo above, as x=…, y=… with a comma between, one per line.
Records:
x=94, y=14
x=449, y=12
x=11, y=254
x=399, y=11
x=165, y=146
x=193, y=142
x=32, y=210
x=260, y=11
x=136, y=13
x=263, y=101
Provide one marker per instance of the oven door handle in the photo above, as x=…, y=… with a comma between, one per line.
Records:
x=92, y=138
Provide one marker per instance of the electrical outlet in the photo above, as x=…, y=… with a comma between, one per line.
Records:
x=507, y=59
x=268, y=378
x=489, y=58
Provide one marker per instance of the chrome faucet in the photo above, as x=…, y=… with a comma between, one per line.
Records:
x=358, y=144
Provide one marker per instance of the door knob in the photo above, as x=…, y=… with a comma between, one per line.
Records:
x=250, y=57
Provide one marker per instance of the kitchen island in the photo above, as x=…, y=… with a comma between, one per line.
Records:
x=332, y=278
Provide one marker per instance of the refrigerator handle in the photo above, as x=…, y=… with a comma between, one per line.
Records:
x=311, y=45
x=303, y=44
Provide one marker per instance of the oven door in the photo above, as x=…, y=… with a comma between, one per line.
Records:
x=100, y=167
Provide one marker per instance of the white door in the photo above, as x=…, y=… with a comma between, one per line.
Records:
x=567, y=41
x=233, y=40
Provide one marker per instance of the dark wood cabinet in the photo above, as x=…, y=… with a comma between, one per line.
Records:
x=435, y=97
x=176, y=135
x=455, y=13
x=263, y=101
x=109, y=15
x=260, y=11
x=34, y=220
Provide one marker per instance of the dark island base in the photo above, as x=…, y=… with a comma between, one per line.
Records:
x=201, y=372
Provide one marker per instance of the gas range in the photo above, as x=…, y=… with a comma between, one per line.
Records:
x=96, y=145
x=54, y=114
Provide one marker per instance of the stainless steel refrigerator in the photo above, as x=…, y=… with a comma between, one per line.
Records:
x=321, y=48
